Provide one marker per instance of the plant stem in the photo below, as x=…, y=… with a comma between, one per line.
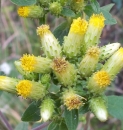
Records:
x=4, y=120
x=41, y=127
x=87, y=121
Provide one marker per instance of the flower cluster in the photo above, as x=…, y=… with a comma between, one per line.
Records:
x=69, y=65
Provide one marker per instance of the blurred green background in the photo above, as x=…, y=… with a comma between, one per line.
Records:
x=18, y=36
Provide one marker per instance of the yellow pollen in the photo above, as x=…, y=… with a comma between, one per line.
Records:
x=73, y=101
x=97, y=20
x=102, y=78
x=93, y=51
x=23, y=11
x=43, y=29
x=28, y=62
x=24, y=88
x=59, y=65
x=79, y=26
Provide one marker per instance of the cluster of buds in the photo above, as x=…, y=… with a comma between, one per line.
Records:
x=59, y=65
x=54, y=7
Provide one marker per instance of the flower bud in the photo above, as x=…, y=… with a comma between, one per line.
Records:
x=108, y=50
x=96, y=24
x=47, y=109
x=63, y=2
x=30, y=63
x=30, y=89
x=73, y=42
x=72, y=100
x=50, y=44
x=114, y=64
x=45, y=78
x=30, y=11
x=8, y=84
x=44, y=2
x=64, y=71
x=99, y=81
x=77, y=5
x=55, y=8
x=99, y=109
x=89, y=62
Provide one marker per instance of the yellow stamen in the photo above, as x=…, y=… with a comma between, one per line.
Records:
x=102, y=78
x=43, y=29
x=28, y=62
x=59, y=65
x=24, y=88
x=73, y=101
x=23, y=11
x=79, y=26
x=97, y=20
x=93, y=51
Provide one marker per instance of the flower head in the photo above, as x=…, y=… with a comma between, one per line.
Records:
x=64, y=71
x=72, y=100
x=30, y=89
x=79, y=26
x=97, y=20
x=42, y=30
x=23, y=11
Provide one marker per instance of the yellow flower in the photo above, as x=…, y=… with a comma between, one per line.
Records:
x=30, y=89
x=50, y=44
x=30, y=11
x=30, y=63
x=89, y=61
x=79, y=26
x=99, y=81
x=74, y=41
x=64, y=71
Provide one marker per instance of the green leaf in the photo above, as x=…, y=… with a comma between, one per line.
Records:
x=84, y=109
x=71, y=119
x=32, y=113
x=63, y=126
x=23, y=2
x=115, y=106
x=53, y=126
x=109, y=19
x=61, y=31
x=88, y=10
x=22, y=126
x=95, y=5
x=68, y=12
x=107, y=7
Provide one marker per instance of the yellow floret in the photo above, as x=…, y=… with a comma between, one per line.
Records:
x=24, y=88
x=93, y=51
x=97, y=20
x=23, y=11
x=102, y=78
x=43, y=29
x=28, y=62
x=79, y=26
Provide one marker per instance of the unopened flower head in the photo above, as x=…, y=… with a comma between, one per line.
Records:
x=30, y=63
x=30, y=89
x=89, y=61
x=96, y=24
x=73, y=42
x=64, y=71
x=108, y=50
x=30, y=11
x=114, y=64
x=72, y=100
x=50, y=44
x=77, y=5
x=8, y=84
x=47, y=109
x=99, y=81
x=99, y=108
